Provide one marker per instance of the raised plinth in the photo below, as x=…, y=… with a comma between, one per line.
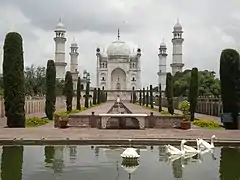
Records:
x=140, y=117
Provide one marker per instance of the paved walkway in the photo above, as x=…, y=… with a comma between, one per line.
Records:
x=103, y=108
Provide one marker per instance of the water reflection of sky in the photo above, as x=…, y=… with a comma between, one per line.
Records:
x=82, y=162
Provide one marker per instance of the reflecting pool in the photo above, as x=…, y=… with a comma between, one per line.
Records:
x=105, y=163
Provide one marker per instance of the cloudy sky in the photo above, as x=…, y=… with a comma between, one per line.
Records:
x=209, y=26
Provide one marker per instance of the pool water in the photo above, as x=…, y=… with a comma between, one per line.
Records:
x=105, y=163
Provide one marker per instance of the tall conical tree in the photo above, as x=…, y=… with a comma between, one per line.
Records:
x=99, y=96
x=79, y=93
x=193, y=92
x=160, y=98
x=147, y=98
x=169, y=92
x=13, y=80
x=151, y=96
x=230, y=84
x=133, y=95
x=68, y=90
x=50, y=89
x=87, y=95
x=140, y=97
x=144, y=97
x=95, y=96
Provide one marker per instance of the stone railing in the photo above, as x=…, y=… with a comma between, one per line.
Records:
x=37, y=105
x=205, y=105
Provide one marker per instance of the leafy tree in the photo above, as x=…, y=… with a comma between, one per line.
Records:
x=193, y=92
x=60, y=83
x=169, y=92
x=50, y=89
x=134, y=97
x=144, y=97
x=79, y=94
x=106, y=97
x=151, y=96
x=99, y=96
x=87, y=95
x=95, y=96
x=230, y=84
x=68, y=90
x=13, y=80
x=160, y=98
x=103, y=95
x=147, y=98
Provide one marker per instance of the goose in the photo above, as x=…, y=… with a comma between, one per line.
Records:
x=190, y=149
x=206, y=144
x=173, y=150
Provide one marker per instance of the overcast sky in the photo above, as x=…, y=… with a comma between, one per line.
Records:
x=209, y=26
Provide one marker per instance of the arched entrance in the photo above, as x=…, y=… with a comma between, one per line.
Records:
x=118, y=79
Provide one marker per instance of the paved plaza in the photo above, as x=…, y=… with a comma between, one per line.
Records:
x=48, y=132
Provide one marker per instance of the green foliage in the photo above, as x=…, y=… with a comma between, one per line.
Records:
x=140, y=97
x=87, y=95
x=79, y=93
x=134, y=97
x=50, y=89
x=209, y=85
x=13, y=80
x=169, y=92
x=151, y=96
x=68, y=90
x=210, y=124
x=60, y=83
x=103, y=95
x=144, y=97
x=36, y=121
x=95, y=96
x=230, y=83
x=184, y=106
x=98, y=96
x=147, y=97
x=160, y=98
x=193, y=92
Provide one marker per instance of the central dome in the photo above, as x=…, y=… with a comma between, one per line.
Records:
x=119, y=48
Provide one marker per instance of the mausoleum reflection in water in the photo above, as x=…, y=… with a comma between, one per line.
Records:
x=104, y=162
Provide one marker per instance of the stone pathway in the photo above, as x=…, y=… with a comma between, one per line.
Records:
x=103, y=108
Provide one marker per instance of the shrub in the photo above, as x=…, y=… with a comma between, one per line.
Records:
x=50, y=89
x=147, y=98
x=184, y=106
x=13, y=80
x=140, y=97
x=193, y=92
x=36, y=121
x=134, y=97
x=68, y=90
x=79, y=93
x=230, y=83
x=95, y=96
x=207, y=123
x=143, y=97
x=151, y=96
x=99, y=96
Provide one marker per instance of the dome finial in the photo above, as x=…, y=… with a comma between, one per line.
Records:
x=118, y=34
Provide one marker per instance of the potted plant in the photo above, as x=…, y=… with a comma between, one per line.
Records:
x=185, y=123
x=61, y=119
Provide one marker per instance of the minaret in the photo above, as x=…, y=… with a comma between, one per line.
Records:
x=60, y=41
x=98, y=64
x=162, y=65
x=74, y=63
x=177, y=41
x=139, y=53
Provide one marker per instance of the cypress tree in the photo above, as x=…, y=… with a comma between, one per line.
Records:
x=87, y=95
x=160, y=98
x=140, y=97
x=230, y=84
x=79, y=94
x=102, y=95
x=147, y=98
x=50, y=89
x=105, y=96
x=99, y=96
x=144, y=97
x=169, y=92
x=193, y=92
x=68, y=90
x=151, y=97
x=95, y=96
x=13, y=80
x=134, y=98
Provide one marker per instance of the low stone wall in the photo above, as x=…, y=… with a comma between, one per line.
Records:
x=151, y=121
